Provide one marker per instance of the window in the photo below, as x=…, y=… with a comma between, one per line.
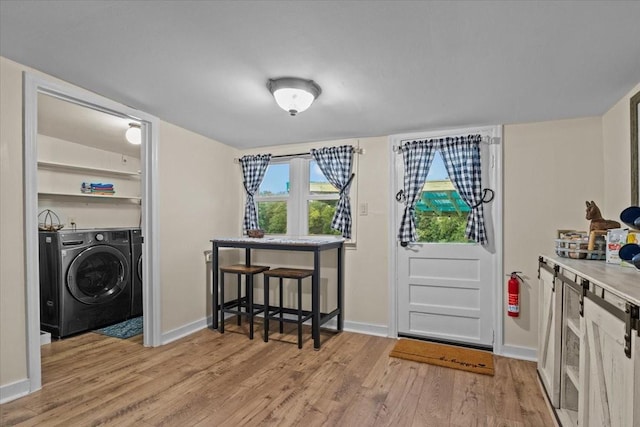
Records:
x=441, y=215
x=296, y=199
x=272, y=199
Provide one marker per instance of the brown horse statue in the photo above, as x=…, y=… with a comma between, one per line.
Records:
x=597, y=222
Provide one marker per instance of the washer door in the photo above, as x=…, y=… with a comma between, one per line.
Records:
x=98, y=275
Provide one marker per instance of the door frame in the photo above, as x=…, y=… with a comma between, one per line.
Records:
x=32, y=86
x=495, y=133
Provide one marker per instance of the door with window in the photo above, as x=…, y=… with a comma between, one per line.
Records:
x=446, y=285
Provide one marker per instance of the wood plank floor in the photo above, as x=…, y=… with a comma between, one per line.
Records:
x=210, y=379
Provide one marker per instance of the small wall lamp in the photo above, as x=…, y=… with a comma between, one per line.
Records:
x=294, y=95
x=134, y=134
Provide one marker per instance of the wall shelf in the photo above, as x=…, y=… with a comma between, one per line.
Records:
x=45, y=194
x=86, y=169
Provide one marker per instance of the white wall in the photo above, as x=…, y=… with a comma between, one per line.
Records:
x=199, y=199
x=616, y=135
x=550, y=170
x=13, y=340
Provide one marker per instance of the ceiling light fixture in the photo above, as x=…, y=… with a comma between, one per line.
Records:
x=134, y=134
x=294, y=95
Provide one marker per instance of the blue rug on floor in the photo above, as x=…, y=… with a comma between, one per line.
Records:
x=127, y=329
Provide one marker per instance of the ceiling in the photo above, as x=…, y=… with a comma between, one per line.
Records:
x=384, y=67
x=83, y=125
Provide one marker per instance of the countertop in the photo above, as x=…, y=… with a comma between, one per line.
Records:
x=621, y=281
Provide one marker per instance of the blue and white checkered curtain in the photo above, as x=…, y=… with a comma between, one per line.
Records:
x=417, y=156
x=461, y=157
x=336, y=163
x=253, y=170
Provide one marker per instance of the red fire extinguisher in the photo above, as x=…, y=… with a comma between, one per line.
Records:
x=513, y=308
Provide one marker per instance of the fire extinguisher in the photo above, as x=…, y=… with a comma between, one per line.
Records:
x=513, y=288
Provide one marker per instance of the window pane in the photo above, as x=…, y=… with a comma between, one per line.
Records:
x=320, y=216
x=441, y=215
x=276, y=180
x=272, y=217
x=318, y=183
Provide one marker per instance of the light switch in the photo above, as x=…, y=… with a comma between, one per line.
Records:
x=364, y=209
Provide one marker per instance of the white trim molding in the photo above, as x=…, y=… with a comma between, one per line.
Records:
x=360, y=328
x=32, y=86
x=185, y=330
x=517, y=352
x=13, y=391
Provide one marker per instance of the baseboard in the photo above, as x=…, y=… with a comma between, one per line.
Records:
x=517, y=352
x=13, y=391
x=360, y=327
x=45, y=338
x=185, y=330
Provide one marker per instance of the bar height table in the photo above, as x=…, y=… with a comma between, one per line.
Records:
x=316, y=246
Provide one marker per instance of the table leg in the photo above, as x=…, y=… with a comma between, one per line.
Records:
x=214, y=302
x=315, y=300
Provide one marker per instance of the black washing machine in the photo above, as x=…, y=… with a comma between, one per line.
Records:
x=136, y=272
x=85, y=279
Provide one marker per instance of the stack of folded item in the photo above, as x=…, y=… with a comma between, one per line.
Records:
x=98, y=188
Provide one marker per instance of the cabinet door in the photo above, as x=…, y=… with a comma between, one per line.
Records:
x=549, y=303
x=608, y=378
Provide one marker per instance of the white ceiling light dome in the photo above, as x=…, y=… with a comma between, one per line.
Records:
x=294, y=95
x=134, y=134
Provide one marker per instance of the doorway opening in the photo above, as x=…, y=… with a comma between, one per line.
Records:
x=56, y=165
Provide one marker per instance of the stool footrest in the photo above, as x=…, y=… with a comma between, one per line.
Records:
x=242, y=313
x=276, y=316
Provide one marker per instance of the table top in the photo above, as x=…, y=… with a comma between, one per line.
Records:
x=621, y=281
x=283, y=242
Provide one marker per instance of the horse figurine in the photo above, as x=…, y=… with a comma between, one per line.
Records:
x=597, y=222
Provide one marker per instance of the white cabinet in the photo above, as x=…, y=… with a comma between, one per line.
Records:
x=610, y=388
x=589, y=347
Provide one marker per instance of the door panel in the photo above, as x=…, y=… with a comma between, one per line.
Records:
x=447, y=292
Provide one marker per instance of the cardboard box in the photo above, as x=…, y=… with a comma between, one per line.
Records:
x=616, y=238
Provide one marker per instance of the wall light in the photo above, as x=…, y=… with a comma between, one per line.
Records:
x=294, y=95
x=134, y=134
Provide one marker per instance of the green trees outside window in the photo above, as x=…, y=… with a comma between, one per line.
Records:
x=272, y=217
x=432, y=228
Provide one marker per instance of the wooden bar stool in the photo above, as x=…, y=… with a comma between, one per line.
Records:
x=278, y=313
x=246, y=302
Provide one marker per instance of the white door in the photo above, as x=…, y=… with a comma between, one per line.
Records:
x=446, y=291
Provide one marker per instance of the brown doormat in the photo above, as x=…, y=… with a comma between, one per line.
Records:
x=449, y=356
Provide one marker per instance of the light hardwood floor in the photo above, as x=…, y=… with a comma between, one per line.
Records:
x=209, y=379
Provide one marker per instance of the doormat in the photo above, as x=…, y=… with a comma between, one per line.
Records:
x=449, y=356
x=127, y=329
